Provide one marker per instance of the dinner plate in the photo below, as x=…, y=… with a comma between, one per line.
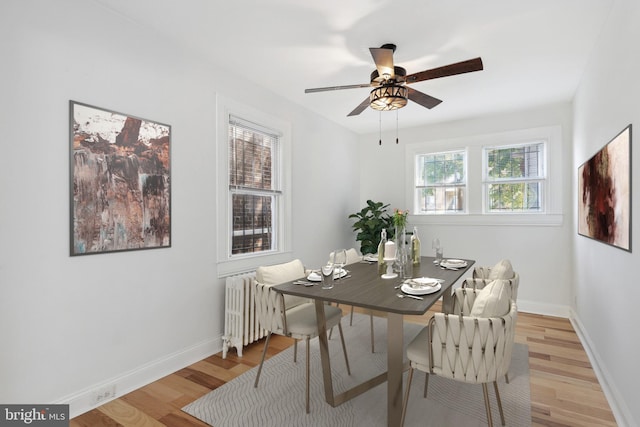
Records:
x=453, y=263
x=316, y=277
x=423, y=281
x=420, y=289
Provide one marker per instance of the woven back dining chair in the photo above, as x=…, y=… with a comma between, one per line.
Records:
x=473, y=346
x=290, y=316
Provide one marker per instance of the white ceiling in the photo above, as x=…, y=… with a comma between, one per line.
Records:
x=534, y=52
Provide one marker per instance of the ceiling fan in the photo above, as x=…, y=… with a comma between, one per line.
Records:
x=390, y=82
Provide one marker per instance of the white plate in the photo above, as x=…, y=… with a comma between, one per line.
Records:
x=453, y=263
x=424, y=281
x=420, y=290
x=316, y=277
x=371, y=258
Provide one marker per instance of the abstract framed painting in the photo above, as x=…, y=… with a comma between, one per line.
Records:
x=120, y=181
x=604, y=193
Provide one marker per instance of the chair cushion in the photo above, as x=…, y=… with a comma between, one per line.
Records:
x=418, y=350
x=494, y=300
x=301, y=320
x=502, y=270
x=281, y=273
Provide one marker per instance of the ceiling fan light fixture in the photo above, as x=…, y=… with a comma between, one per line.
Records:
x=388, y=97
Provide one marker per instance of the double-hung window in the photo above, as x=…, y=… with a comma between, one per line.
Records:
x=254, y=186
x=440, y=182
x=253, y=151
x=514, y=178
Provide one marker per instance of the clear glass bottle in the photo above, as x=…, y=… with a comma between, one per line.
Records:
x=383, y=240
x=415, y=246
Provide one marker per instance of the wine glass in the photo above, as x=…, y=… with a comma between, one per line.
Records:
x=339, y=261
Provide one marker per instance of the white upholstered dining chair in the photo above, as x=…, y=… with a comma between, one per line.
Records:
x=482, y=276
x=289, y=315
x=473, y=344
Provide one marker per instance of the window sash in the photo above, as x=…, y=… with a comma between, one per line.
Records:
x=525, y=196
x=534, y=167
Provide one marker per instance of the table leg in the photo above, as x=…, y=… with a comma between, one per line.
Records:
x=395, y=357
x=324, y=352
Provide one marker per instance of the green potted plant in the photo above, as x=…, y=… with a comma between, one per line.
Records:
x=369, y=223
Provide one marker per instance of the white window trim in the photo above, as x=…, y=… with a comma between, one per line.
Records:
x=475, y=215
x=228, y=264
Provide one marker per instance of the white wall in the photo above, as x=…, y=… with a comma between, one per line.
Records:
x=606, y=278
x=527, y=246
x=71, y=325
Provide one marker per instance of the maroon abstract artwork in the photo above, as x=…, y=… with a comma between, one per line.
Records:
x=120, y=182
x=604, y=193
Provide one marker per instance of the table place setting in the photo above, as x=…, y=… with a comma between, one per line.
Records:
x=316, y=276
x=370, y=258
x=421, y=286
x=453, y=264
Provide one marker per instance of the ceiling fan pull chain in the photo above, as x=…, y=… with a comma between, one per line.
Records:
x=380, y=127
x=396, y=126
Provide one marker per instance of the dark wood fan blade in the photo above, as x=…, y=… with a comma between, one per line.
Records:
x=328, y=88
x=360, y=108
x=448, y=70
x=423, y=99
x=383, y=57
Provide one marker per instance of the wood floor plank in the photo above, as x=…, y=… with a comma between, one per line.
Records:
x=564, y=388
x=128, y=415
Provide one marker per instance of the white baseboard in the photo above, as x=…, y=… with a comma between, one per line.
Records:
x=616, y=401
x=85, y=400
x=555, y=310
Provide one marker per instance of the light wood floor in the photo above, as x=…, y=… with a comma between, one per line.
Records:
x=564, y=388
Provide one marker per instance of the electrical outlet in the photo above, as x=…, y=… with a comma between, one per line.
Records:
x=103, y=394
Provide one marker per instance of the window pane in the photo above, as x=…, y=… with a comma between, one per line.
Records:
x=520, y=197
x=441, y=168
x=515, y=162
x=252, y=223
x=441, y=200
x=250, y=158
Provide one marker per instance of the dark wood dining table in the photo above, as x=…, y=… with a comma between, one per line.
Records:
x=365, y=288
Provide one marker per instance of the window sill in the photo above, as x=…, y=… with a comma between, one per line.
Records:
x=528, y=220
x=251, y=262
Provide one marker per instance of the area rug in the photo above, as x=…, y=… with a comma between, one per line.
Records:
x=279, y=398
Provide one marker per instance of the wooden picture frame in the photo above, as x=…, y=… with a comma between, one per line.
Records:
x=120, y=181
x=604, y=193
